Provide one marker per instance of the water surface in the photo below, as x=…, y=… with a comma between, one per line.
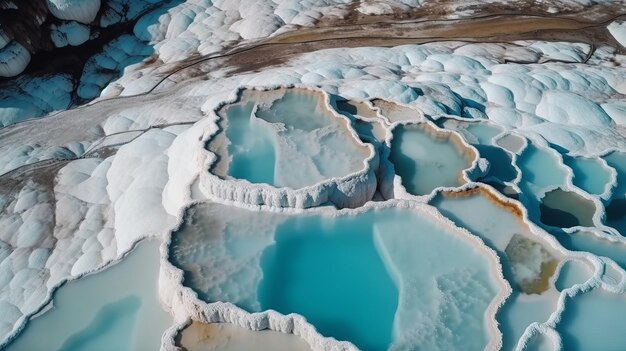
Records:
x=541, y=168
x=352, y=276
x=573, y=272
x=566, y=209
x=286, y=139
x=594, y=321
x=589, y=174
x=528, y=262
x=116, y=309
x=589, y=242
x=427, y=159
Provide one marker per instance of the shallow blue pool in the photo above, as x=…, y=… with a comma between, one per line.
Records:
x=381, y=279
x=426, y=161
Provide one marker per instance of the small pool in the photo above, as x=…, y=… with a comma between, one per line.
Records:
x=573, y=272
x=426, y=159
x=589, y=174
x=285, y=138
x=541, y=168
x=396, y=113
x=356, y=108
x=566, y=209
x=473, y=132
x=483, y=132
x=501, y=163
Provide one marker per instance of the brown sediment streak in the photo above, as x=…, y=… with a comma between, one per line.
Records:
x=504, y=26
x=510, y=207
x=202, y=332
x=444, y=9
x=278, y=50
x=494, y=27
